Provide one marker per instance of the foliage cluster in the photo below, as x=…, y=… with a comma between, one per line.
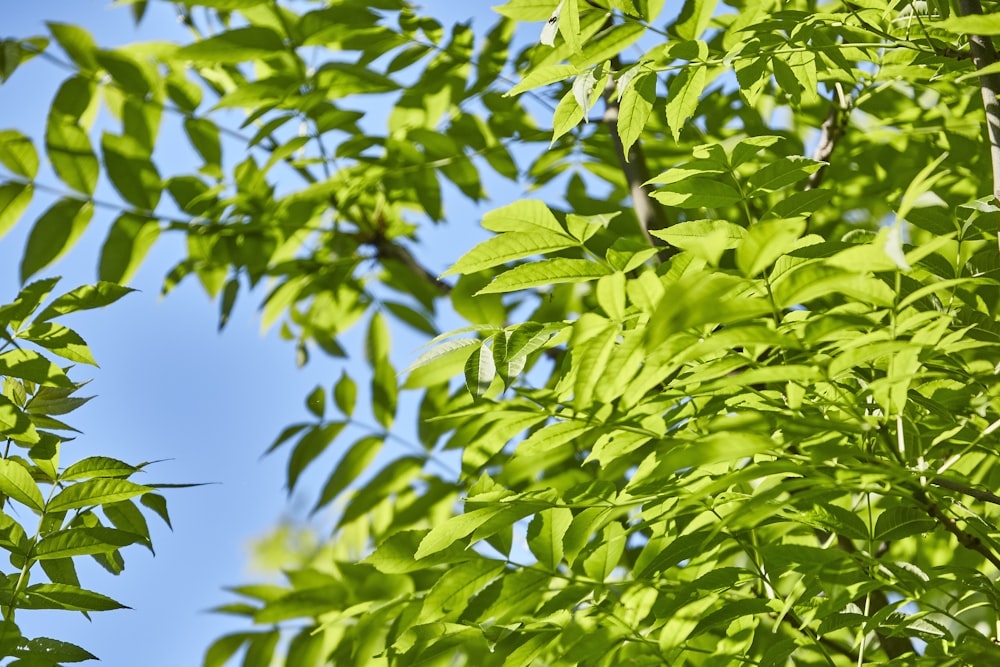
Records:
x=726, y=395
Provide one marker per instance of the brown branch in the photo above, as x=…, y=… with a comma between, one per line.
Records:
x=984, y=54
x=978, y=494
x=966, y=539
x=648, y=211
x=831, y=132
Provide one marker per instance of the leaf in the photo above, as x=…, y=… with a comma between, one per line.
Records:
x=55, y=650
x=707, y=239
x=973, y=24
x=93, y=492
x=18, y=154
x=510, y=246
x=83, y=541
x=204, y=136
x=694, y=18
x=480, y=371
x=355, y=461
x=459, y=527
x=77, y=43
x=69, y=149
x=96, y=467
x=765, y=242
x=131, y=171
x=345, y=394
x=605, y=557
x=545, y=535
x=64, y=596
x=54, y=233
x=85, y=297
x=440, y=363
x=546, y=272
x=310, y=446
x=697, y=193
x=683, y=95
x=896, y=523
x=15, y=424
x=800, y=203
x=29, y=365
x=234, y=46
x=59, y=339
x=525, y=215
x=635, y=108
x=14, y=199
x=223, y=648
x=16, y=483
x=316, y=401
x=127, y=244
x=782, y=172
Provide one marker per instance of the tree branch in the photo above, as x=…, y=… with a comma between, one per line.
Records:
x=831, y=132
x=983, y=54
x=650, y=214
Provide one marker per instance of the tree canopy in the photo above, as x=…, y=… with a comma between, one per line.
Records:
x=719, y=390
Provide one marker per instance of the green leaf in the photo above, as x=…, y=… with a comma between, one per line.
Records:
x=450, y=594
x=72, y=156
x=15, y=424
x=204, y=136
x=545, y=535
x=83, y=541
x=85, y=297
x=64, y=596
x=395, y=555
x=480, y=371
x=694, y=18
x=441, y=363
x=56, y=651
x=54, y=233
x=77, y=43
x=783, y=172
x=765, y=242
x=707, y=239
x=604, y=559
x=635, y=108
x=223, y=648
x=158, y=504
x=131, y=171
x=897, y=523
x=510, y=246
x=14, y=199
x=697, y=193
x=310, y=446
x=16, y=483
x=527, y=10
x=234, y=46
x=129, y=240
x=29, y=365
x=345, y=394
x=459, y=527
x=94, y=492
x=356, y=460
x=316, y=401
x=97, y=467
x=59, y=339
x=18, y=154
x=800, y=203
x=546, y=272
x=973, y=24
x=525, y=215
x=683, y=95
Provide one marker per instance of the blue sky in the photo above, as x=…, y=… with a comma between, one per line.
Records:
x=171, y=387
